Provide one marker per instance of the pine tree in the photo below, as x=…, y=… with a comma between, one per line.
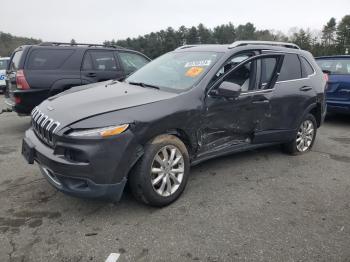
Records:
x=343, y=34
x=328, y=32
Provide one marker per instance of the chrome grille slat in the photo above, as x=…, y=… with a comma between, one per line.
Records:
x=41, y=125
x=44, y=127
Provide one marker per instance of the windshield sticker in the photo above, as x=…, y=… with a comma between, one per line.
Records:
x=198, y=63
x=194, y=71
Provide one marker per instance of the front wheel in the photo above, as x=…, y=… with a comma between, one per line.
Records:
x=304, y=138
x=160, y=176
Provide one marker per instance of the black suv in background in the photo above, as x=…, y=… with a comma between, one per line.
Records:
x=36, y=72
x=185, y=107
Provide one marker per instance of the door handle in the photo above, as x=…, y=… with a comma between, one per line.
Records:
x=91, y=74
x=305, y=88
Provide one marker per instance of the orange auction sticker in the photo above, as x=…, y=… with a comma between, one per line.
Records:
x=194, y=71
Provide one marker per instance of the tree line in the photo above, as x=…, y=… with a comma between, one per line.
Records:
x=333, y=39
x=8, y=43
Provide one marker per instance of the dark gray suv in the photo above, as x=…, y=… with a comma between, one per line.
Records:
x=195, y=103
x=36, y=72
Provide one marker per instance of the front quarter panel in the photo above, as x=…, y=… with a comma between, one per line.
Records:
x=180, y=113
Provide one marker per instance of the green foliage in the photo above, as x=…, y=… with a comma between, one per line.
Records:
x=302, y=39
x=9, y=42
x=343, y=34
x=328, y=32
x=334, y=38
x=157, y=43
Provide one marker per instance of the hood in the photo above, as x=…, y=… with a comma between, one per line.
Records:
x=82, y=102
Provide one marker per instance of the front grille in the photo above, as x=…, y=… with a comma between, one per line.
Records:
x=44, y=126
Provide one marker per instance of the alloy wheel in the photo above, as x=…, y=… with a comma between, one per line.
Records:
x=305, y=136
x=167, y=170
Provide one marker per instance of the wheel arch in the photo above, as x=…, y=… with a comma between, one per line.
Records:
x=316, y=111
x=179, y=133
x=183, y=136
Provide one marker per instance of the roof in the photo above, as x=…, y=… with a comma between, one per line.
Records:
x=69, y=45
x=333, y=56
x=81, y=46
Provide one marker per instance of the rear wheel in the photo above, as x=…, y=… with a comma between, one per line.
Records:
x=304, y=137
x=160, y=176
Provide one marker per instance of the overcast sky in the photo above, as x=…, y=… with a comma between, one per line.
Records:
x=94, y=21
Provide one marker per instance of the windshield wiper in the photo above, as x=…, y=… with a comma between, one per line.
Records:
x=143, y=84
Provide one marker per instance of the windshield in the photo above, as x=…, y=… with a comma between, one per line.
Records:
x=3, y=64
x=335, y=66
x=176, y=71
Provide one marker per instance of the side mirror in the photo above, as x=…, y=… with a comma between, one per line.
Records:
x=228, y=90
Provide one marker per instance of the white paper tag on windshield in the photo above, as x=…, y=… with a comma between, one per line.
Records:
x=198, y=63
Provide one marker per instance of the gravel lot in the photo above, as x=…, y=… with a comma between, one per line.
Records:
x=260, y=205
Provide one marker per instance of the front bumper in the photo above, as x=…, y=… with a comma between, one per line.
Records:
x=100, y=170
x=84, y=187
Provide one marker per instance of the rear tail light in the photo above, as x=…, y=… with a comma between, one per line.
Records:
x=17, y=100
x=325, y=76
x=21, y=80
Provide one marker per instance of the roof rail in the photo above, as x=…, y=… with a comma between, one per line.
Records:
x=185, y=46
x=273, y=43
x=77, y=44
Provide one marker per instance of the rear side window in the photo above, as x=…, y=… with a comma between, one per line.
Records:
x=335, y=66
x=48, y=59
x=268, y=66
x=14, y=64
x=131, y=61
x=307, y=68
x=100, y=61
x=291, y=68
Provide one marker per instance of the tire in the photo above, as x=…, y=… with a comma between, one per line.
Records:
x=302, y=134
x=159, y=184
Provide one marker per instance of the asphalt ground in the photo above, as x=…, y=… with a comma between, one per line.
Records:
x=261, y=205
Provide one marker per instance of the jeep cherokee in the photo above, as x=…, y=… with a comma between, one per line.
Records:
x=192, y=104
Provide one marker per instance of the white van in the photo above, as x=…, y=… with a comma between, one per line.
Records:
x=3, y=65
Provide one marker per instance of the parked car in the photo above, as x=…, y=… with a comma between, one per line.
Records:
x=187, y=106
x=37, y=72
x=3, y=66
x=338, y=90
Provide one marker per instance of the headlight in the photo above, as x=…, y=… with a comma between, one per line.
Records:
x=101, y=132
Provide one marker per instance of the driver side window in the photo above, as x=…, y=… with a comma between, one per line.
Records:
x=254, y=75
x=229, y=64
x=243, y=76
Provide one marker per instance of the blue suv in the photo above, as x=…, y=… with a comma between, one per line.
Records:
x=338, y=91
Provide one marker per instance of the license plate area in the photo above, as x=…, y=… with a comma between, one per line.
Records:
x=28, y=151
